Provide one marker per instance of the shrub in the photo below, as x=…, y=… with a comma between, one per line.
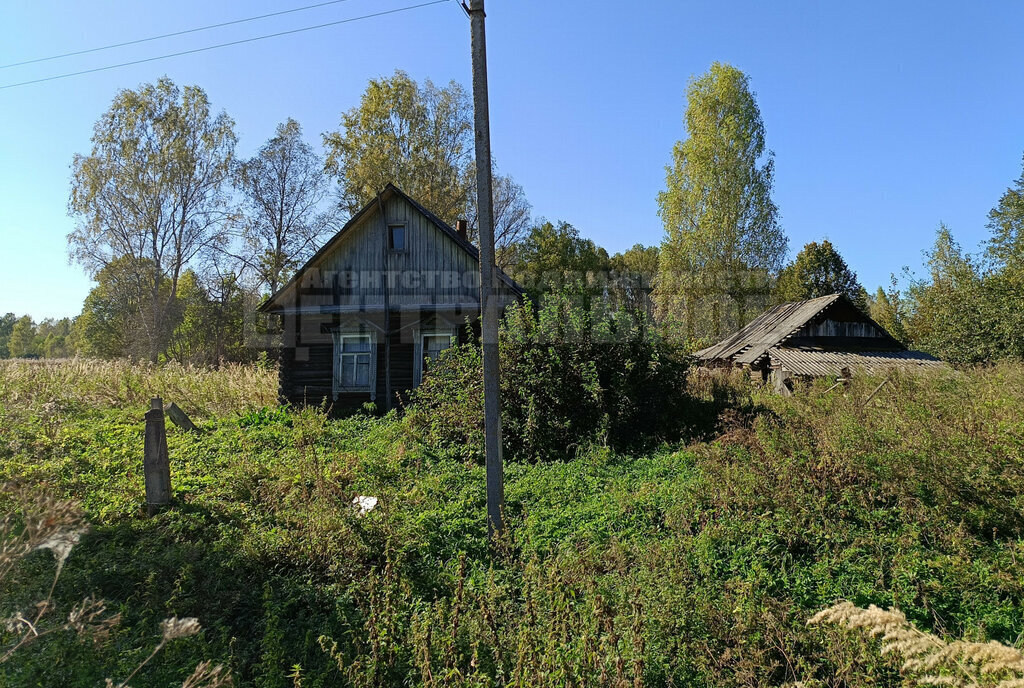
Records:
x=569, y=378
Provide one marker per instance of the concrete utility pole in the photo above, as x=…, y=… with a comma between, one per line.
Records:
x=488, y=277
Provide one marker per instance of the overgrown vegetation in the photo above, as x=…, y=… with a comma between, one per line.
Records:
x=570, y=378
x=694, y=564
x=928, y=659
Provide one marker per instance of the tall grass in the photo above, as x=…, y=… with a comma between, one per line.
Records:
x=695, y=564
x=81, y=382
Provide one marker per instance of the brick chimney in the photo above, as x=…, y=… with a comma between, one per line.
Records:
x=462, y=227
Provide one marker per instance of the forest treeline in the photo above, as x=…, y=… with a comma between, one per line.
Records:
x=183, y=237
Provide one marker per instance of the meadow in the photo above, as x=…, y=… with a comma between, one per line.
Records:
x=694, y=563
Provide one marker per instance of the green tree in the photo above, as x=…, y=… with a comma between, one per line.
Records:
x=115, y=319
x=284, y=186
x=152, y=191
x=6, y=326
x=22, y=343
x=1006, y=223
x=210, y=325
x=1004, y=282
x=55, y=338
x=886, y=309
x=419, y=138
x=818, y=270
x=722, y=236
x=952, y=313
x=554, y=257
x=632, y=278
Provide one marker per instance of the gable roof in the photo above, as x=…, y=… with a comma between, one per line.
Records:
x=774, y=326
x=389, y=190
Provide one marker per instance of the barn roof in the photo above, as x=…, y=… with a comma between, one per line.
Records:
x=273, y=302
x=772, y=336
x=767, y=330
x=816, y=362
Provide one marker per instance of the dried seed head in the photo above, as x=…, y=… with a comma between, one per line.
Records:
x=15, y=624
x=88, y=618
x=207, y=675
x=62, y=542
x=174, y=628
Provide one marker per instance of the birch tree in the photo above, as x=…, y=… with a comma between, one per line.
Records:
x=419, y=138
x=722, y=234
x=284, y=187
x=152, y=190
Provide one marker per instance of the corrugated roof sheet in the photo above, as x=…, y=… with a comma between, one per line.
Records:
x=818, y=362
x=770, y=328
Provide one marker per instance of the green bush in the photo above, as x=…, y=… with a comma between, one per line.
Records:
x=569, y=378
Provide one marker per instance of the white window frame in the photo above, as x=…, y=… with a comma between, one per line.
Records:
x=419, y=349
x=339, y=337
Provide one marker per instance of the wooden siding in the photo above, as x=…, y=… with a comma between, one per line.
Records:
x=431, y=270
x=840, y=328
x=306, y=370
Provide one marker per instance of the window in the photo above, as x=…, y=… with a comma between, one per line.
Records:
x=396, y=237
x=429, y=346
x=434, y=344
x=355, y=362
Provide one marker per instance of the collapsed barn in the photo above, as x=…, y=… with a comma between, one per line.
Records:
x=822, y=337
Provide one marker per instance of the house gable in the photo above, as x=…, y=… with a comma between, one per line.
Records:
x=842, y=324
x=396, y=284
x=360, y=269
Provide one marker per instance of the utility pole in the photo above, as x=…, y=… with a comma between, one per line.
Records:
x=488, y=282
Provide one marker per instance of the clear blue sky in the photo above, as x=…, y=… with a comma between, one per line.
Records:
x=886, y=118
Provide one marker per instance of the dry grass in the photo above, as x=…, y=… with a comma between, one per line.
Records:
x=49, y=386
x=42, y=522
x=928, y=659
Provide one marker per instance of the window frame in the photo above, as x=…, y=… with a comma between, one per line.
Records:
x=391, y=237
x=339, y=354
x=419, y=350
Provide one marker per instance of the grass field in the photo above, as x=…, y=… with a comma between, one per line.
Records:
x=693, y=565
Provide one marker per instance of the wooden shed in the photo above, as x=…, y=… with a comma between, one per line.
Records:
x=827, y=336
x=376, y=303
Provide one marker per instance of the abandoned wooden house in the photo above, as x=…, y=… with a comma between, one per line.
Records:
x=827, y=336
x=390, y=291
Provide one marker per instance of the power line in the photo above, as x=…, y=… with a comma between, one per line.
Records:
x=170, y=35
x=223, y=45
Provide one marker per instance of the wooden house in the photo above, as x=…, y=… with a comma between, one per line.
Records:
x=827, y=336
x=391, y=290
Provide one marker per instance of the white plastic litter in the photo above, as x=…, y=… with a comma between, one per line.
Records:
x=364, y=504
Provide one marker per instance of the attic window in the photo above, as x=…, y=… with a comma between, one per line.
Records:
x=396, y=237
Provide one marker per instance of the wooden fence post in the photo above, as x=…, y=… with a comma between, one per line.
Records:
x=156, y=463
x=782, y=382
x=180, y=418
